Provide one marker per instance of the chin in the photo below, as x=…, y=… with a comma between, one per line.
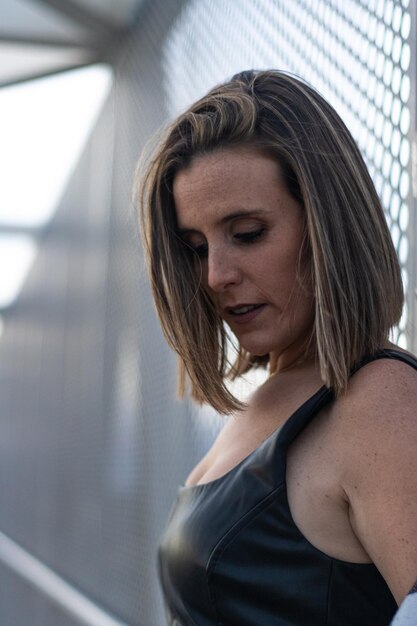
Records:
x=256, y=348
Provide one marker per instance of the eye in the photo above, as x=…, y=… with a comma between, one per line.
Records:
x=250, y=236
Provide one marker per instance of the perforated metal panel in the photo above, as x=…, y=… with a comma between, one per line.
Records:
x=93, y=442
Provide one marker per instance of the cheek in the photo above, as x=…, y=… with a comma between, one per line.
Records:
x=293, y=288
x=282, y=270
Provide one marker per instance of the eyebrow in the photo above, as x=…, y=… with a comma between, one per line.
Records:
x=229, y=218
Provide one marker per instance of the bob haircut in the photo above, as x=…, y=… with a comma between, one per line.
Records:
x=353, y=269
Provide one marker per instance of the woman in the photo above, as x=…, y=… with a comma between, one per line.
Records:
x=260, y=217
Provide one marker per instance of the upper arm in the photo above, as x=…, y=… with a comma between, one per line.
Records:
x=380, y=479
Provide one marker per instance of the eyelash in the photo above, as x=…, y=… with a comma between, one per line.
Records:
x=243, y=238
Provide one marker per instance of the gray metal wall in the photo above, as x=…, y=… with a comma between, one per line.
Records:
x=93, y=442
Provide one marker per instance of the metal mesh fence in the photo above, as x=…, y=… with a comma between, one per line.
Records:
x=94, y=443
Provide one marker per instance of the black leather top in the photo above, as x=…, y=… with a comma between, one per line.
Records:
x=232, y=555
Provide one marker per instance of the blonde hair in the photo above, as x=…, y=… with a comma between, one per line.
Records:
x=355, y=274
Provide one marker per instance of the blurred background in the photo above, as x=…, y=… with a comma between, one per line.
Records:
x=93, y=442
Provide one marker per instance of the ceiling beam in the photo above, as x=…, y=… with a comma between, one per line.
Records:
x=89, y=20
x=30, y=40
x=46, y=74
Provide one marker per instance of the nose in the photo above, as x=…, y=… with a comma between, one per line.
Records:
x=223, y=270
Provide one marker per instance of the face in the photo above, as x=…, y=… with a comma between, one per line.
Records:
x=235, y=212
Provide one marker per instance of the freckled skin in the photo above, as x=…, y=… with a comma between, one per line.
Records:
x=245, y=180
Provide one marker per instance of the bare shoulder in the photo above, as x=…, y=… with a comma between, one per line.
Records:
x=377, y=428
x=374, y=425
x=382, y=393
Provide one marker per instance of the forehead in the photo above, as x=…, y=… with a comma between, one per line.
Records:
x=238, y=178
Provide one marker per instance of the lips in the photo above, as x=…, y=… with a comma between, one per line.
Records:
x=241, y=309
x=243, y=313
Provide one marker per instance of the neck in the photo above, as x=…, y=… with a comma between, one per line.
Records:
x=295, y=356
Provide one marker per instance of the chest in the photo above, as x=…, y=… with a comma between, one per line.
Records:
x=314, y=473
x=233, y=552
